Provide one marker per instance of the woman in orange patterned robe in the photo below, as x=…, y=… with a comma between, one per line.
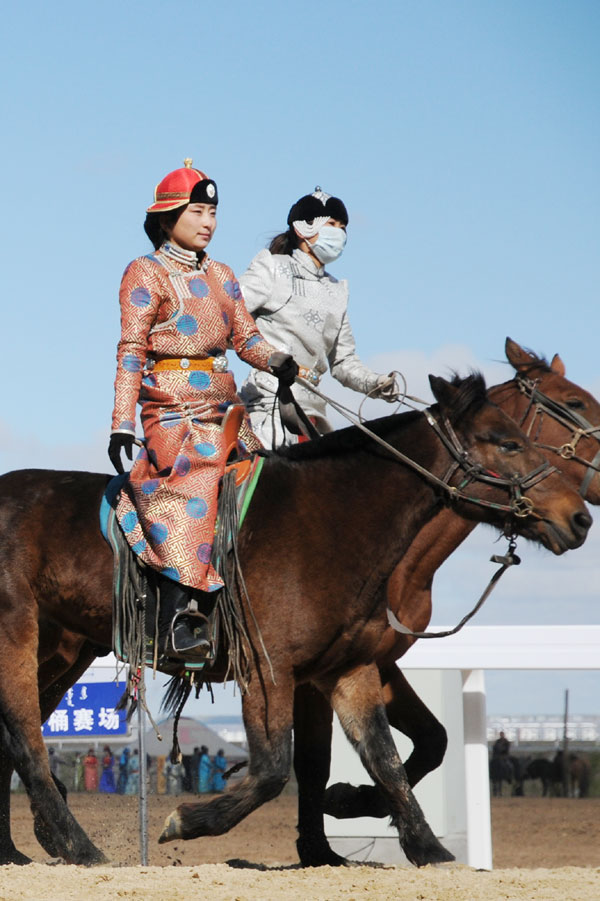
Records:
x=180, y=311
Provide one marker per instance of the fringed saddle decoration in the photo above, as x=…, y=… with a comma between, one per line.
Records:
x=136, y=594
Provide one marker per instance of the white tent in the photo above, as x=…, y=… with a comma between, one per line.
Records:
x=191, y=734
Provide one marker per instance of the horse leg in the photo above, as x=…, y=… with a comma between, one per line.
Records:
x=20, y=733
x=358, y=701
x=8, y=852
x=52, y=663
x=408, y=714
x=52, y=688
x=50, y=697
x=312, y=757
x=268, y=713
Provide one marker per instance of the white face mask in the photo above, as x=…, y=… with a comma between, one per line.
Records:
x=329, y=244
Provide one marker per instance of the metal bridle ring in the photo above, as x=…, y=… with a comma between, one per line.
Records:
x=566, y=451
x=522, y=506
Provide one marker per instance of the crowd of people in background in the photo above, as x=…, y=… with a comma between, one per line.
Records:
x=98, y=775
x=110, y=774
x=205, y=775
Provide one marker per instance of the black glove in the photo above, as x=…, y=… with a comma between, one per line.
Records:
x=284, y=367
x=118, y=441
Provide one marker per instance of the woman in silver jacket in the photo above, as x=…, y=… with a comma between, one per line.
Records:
x=301, y=309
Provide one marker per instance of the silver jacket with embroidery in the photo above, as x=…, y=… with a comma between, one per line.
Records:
x=301, y=310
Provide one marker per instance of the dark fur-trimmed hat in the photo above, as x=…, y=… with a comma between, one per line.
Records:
x=311, y=206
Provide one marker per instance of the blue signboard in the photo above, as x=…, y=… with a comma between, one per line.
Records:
x=88, y=709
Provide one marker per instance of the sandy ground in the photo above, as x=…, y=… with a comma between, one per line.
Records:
x=554, y=841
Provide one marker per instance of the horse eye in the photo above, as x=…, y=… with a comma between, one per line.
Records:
x=510, y=446
x=575, y=404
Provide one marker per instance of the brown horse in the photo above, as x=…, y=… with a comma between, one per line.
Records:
x=315, y=558
x=580, y=773
x=559, y=417
x=576, y=779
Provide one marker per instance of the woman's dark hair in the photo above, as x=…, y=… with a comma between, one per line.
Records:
x=153, y=226
x=285, y=243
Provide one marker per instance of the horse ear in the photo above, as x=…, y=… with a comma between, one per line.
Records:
x=557, y=366
x=443, y=391
x=516, y=355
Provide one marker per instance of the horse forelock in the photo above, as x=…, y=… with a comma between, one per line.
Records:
x=470, y=398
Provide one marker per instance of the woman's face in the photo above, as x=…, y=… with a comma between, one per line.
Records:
x=333, y=222
x=195, y=227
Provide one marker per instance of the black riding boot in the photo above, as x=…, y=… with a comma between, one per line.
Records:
x=182, y=633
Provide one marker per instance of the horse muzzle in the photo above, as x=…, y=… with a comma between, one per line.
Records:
x=559, y=538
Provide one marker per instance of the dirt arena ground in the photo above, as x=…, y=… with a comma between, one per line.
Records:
x=544, y=849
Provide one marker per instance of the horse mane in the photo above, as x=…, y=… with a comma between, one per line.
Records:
x=471, y=396
x=343, y=441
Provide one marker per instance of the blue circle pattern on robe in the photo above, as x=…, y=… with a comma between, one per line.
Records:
x=168, y=506
x=140, y=297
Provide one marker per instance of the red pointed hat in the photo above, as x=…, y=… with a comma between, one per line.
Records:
x=177, y=187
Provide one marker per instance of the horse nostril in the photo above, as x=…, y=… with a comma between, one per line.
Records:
x=582, y=522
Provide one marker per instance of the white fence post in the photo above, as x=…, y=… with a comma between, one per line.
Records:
x=470, y=652
x=479, y=828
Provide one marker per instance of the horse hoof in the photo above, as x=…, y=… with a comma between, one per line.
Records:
x=15, y=857
x=170, y=829
x=318, y=854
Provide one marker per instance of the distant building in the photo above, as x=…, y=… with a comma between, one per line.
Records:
x=230, y=728
x=545, y=730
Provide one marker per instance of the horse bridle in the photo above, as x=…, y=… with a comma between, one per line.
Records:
x=519, y=505
x=541, y=404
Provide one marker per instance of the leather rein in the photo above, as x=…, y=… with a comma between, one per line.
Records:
x=519, y=505
x=541, y=404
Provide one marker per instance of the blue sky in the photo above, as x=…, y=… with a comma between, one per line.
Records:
x=463, y=136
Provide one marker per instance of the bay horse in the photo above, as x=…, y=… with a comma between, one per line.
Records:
x=578, y=775
x=336, y=516
x=559, y=415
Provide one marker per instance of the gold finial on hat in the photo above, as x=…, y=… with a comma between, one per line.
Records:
x=188, y=162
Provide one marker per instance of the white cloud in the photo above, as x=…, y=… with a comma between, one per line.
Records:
x=27, y=450
x=415, y=366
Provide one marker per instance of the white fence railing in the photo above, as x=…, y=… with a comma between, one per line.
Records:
x=456, y=799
